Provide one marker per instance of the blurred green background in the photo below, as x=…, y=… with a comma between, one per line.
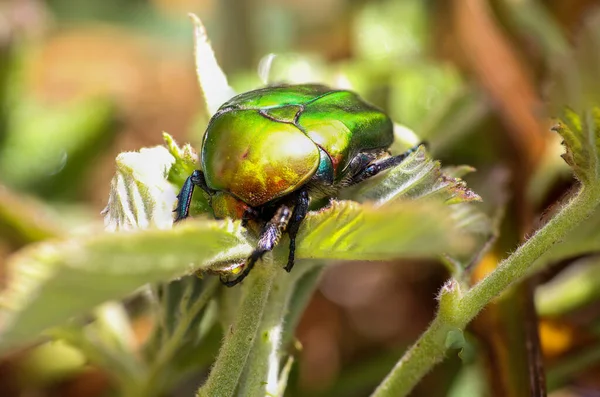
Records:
x=81, y=81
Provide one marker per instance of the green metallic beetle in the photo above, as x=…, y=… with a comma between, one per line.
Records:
x=268, y=152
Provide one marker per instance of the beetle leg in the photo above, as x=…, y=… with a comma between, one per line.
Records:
x=268, y=239
x=377, y=166
x=184, y=198
x=300, y=211
x=249, y=214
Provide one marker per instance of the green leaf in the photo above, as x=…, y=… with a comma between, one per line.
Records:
x=470, y=381
x=213, y=81
x=45, y=278
x=140, y=195
x=52, y=282
x=575, y=287
x=582, y=140
x=24, y=220
x=50, y=151
x=350, y=231
x=417, y=177
x=419, y=89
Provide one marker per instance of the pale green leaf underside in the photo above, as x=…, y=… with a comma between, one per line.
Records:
x=417, y=177
x=350, y=231
x=52, y=282
x=420, y=178
x=140, y=195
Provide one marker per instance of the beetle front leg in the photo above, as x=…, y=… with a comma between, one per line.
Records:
x=185, y=194
x=377, y=166
x=268, y=239
x=300, y=211
x=249, y=215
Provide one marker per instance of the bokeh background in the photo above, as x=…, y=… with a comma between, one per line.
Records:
x=81, y=81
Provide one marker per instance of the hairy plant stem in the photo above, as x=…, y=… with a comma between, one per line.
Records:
x=261, y=376
x=240, y=337
x=457, y=311
x=262, y=368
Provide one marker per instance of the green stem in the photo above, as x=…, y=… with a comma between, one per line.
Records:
x=239, y=339
x=263, y=367
x=519, y=264
x=431, y=346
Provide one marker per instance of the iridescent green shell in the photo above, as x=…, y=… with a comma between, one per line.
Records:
x=266, y=143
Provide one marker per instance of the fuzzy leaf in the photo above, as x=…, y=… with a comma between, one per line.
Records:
x=350, y=231
x=52, y=282
x=186, y=160
x=417, y=177
x=140, y=195
x=213, y=81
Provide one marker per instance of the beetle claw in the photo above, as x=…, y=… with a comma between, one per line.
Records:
x=289, y=266
x=229, y=283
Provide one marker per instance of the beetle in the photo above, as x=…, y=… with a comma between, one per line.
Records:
x=268, y=152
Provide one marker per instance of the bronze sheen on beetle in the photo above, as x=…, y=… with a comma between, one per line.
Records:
x=268, y=152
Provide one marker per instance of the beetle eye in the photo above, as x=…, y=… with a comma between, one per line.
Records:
x=372, y=169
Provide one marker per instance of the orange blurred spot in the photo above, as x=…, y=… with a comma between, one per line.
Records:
x=142, y=329
x=485, y=267
x=555, y=339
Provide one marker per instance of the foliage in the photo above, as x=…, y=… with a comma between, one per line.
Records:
x=80, y=294
x=143, y=249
